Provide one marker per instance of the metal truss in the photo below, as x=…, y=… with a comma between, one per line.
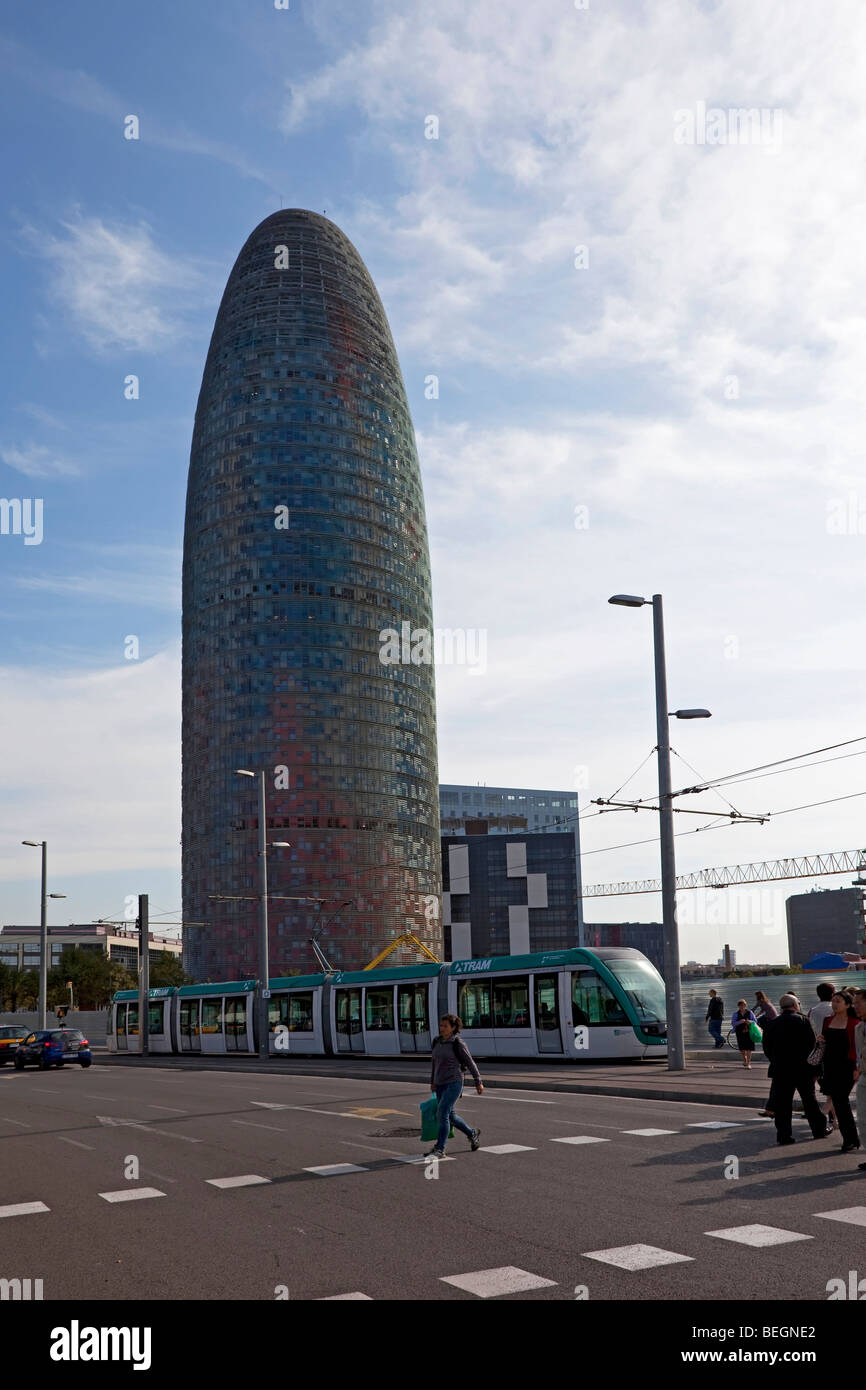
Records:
x=809, y=866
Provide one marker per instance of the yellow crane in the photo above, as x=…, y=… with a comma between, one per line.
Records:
x=406, y=938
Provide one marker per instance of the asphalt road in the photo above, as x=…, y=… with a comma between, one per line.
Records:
x=538, y=1220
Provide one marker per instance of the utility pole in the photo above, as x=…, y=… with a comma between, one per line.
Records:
x=676, y=1048
x=143, y=971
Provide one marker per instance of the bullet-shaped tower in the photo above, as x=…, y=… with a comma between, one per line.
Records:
x=305, y=539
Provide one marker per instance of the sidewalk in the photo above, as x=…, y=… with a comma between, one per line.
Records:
x=709, y=1078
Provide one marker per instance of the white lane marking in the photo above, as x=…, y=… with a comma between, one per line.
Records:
x=343, y=1114
x=77, y=1142
x=513, y=1100
x=508, y=1149
x=636, y=1257
x=168, y=1107
x=6, y=1120
x=371, y=1148
x=336, y=1297
x=855, y=1215
x=131, y=1194
x=493, y=1283
x=758, y=1235
x=421, y=1158
x=714, y=1124
x=649, y=1133
x=335, y=1170
x=581, y=1139
x=144, y=1125
x=243, y=1180
x=24, y=1209
x=251, y=1124
x=149, y=1173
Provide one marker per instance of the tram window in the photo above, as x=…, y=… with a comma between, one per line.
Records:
x=299, y=1012
x=276, y=1011
x=132, y=1020
x=473, y=1003
x=121, y=1020
x=154, y=1018
x=380, y=1008
x=511, y=1003
x=593, y=1002
x=545, y=1002
x=211, y=1015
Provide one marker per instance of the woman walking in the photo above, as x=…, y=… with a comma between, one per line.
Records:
x=839, y=1064
x=741, y=1023
x=451, y=1057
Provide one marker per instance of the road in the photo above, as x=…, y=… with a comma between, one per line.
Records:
x=529, y=1216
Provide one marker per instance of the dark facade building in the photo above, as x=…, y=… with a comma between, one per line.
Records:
x=828, y=920
x=506, y=895
x=471, y=810
x=305, y=539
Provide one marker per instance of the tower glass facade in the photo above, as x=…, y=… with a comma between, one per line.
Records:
x=305, y=538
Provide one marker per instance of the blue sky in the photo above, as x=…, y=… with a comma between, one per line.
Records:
x=692, y=378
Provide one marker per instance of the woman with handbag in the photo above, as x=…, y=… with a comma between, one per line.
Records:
x=742, y=1023
x=450, y=1059
x=839, y=1063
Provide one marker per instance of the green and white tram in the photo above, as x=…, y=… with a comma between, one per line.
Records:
x=576, y=1005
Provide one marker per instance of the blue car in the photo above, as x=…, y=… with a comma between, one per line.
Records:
x=53, y=1047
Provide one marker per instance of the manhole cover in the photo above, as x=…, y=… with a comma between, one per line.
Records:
x=394, y=1134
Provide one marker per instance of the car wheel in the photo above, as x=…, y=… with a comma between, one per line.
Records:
x=44, y=1063
x=58, y=1065
x=2, y=1061
x=85, y=1064
x=19, y=1065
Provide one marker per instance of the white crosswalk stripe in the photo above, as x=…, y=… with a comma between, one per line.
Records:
x=244, y=1180
x=334, y=1170
x=338, y=1297
x=493, y=1283
x=649, y=1133
x=131, y=1194
x=855, y=1216
x=507, y=1149
x=24, y=1209
x=758, y=1235
x=580, y=1139
x=636, y=1257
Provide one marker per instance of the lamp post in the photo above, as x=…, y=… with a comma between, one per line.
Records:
x=264, y=966
x=676, y=1047
x=43, y=931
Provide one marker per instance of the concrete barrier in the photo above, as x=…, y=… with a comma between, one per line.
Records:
x=93, y=1023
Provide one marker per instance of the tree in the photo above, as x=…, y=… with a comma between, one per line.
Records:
x=166, y=972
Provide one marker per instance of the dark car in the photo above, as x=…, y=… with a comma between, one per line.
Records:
x=10, y=1036
x=53, y=1047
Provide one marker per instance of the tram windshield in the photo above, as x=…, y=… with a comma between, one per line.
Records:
x=643, y=986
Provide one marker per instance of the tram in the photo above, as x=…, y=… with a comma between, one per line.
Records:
x=575, y=1005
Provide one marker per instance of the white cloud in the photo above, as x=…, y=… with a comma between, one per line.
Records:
x=116, y=286
x=37, y=461
x=95, y=763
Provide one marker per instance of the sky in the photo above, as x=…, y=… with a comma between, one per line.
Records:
x=641, y=313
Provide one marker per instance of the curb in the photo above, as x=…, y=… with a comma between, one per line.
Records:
x=511, y=1083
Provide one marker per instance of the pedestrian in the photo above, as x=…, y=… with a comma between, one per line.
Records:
x=451, y=1058
x=715, y=1014
x=788, y=1040
x=742, y=1025
x=818, y=1012
x=763, y=1009
x=860, y=1069
x=839, y=1064
x=763, y=1012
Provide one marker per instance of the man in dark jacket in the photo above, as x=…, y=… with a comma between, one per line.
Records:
x=715, y=1014
x=788, y=1040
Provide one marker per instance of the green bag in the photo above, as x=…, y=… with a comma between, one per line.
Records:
x=430, y=1120
x=755, y=1034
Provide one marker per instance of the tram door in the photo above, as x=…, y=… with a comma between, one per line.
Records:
x=547, y=1031
x=348, y=1008
x=236, y=1024
x=190, y=1033
x=120, y=1028
x=414, y=1021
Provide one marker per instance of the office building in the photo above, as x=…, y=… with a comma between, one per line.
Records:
x=830, y=919
x=305, y=541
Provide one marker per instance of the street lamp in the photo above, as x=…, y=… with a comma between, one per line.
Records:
x=676, y=1049
x=264, y=965
x=43, y=931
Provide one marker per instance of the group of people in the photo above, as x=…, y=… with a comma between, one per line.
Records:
x=827, y=1045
